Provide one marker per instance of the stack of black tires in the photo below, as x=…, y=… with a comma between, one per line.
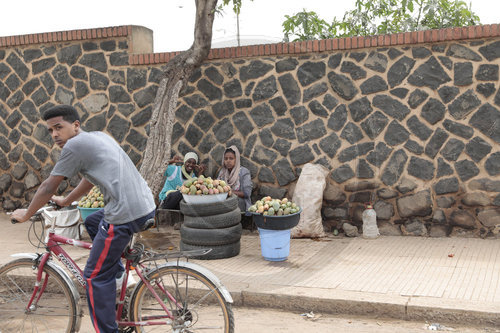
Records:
x=215, y=225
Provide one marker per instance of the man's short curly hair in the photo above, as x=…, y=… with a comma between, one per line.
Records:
x=67, y=112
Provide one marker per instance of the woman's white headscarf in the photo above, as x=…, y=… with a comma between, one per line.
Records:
x=191, y=155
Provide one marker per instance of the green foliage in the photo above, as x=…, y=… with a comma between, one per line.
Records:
x=236, y=6
x=305, y=25
x=378, y=17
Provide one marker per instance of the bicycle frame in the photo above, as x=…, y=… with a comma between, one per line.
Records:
x=53, y=247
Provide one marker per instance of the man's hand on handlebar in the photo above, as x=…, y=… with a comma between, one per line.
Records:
x=59, y=201
x=19, y=215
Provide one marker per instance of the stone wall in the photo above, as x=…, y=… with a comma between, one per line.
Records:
x=410, y=122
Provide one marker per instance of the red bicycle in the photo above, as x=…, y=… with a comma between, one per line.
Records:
x=38, y=295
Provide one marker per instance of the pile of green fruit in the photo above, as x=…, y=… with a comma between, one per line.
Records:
x=274, y=207
x=204, y=186
x=94, y=199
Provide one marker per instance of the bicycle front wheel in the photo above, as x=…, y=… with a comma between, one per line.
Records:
x=195, y=303
x=55, y=311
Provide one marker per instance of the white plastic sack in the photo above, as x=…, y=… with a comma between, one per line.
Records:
x=67, y=222
x=308, y=194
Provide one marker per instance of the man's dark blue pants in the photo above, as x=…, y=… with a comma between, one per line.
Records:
x=103, y=265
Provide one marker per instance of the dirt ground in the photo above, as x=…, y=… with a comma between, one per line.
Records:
x=249, y=320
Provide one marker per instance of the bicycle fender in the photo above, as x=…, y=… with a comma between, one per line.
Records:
x=66, y=278
x=207, y=273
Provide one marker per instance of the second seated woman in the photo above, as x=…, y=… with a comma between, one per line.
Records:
x=237, y=177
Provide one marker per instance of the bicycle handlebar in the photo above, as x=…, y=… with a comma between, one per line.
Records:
x=38, y=212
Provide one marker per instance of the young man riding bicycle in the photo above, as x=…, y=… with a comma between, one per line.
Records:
x=129, y=204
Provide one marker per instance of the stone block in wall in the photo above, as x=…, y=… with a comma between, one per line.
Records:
x=399, y=71
x=430, y=74
x=475, y=199
x=378, y=155
x=5, y=182
x=387, y=193
x=31, y=180
x=333, y=194
x=447, y=185
x=342, y=85
x=265, y=89
x=466, y=169
x=462, y=73
x=273, y=192
x=492, y=164
x=353, y=70
x=396, y=134
x=464, y=104
x=284, y=172
x=452, y=150
x=386, y=228
x=487, y=120
x=350, y=230
x=406, y=185
x=338, y=213
x=338, y=118
x=384, y=210
x=439, y=217
x=394, y=168
x=351, y=133
x=439, y=231
x=391, y=107
x=421, y=168
x=443, y=168
x=486, y=89
x=414, y=227
x=361, y=186
x=374, y=124
x=485, y=184
x=462, y=218
x=490, y=51
x=342, y=173
x=417, y=97
x=445, y=202
x=373, y=85
x=316, y=90
x=399, y=92
x=418, y=204
x=418, y=128
x=357, y=214
x=477, y=149
x=489, y=217
x=436, y=142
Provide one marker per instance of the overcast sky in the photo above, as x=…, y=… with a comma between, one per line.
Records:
x=172, y=21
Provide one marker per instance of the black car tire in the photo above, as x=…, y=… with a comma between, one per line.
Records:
x=218, y=252
x=223, y=220
x=207, y=209
x=205, y=237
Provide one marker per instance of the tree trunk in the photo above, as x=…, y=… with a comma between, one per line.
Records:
x=177, y=71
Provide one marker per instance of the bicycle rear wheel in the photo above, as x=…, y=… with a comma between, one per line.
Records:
x=55, y=311
x=198, y=307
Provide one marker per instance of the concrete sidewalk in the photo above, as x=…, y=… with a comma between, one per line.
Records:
x=446, y=280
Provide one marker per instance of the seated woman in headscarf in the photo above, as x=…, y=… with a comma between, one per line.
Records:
x=237, y=177
x=177, y=173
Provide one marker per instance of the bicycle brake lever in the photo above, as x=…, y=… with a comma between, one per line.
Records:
x=53, y=204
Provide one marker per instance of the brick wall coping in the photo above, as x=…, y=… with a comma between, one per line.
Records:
x=63, y=36
x=348, y=43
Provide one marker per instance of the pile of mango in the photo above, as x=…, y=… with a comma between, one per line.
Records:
x=204, y=186
x=93, y=199
x=274, y=207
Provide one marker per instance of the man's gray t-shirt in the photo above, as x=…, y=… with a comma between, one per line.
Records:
x=98, y=158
